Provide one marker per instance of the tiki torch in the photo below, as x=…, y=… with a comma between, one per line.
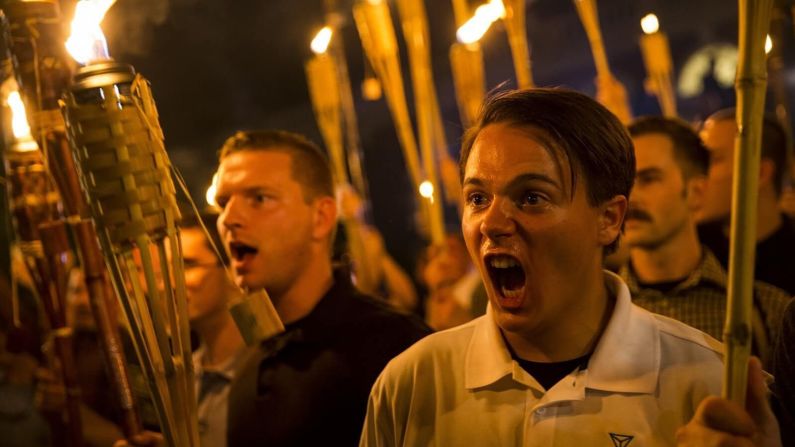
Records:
x=322, y=77
x=589, y=16
x=124, y=172
x=432, y=140
x=35, y=209
x=750, y=86
x=657, y=58
x=44, y=69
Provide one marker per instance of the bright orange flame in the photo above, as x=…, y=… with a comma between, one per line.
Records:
x=479, y=23
x=321, y=41
x=87, y=42
x=19, y=120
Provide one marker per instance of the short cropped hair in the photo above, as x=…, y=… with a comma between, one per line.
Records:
x=309, y=164
x=689, y=151
x=208, y=218
x=593, y=140
x=775, y=143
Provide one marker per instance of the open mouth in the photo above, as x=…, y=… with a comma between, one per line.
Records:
x=506, y=274
x=239, y=250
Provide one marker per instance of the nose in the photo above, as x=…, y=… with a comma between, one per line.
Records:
x=498, y=220
x=231, y=217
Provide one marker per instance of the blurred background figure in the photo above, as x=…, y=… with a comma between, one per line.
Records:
x=775, y=232
x=455, y=290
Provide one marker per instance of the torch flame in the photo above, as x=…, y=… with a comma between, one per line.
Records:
x=768, y=44
x=476, y=27
x=87, y=42
x=650, y=24
x=321, y=41
x=19, y=120
x=426, y=189
x=211, y=190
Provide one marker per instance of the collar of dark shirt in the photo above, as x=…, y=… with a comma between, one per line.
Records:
x=709, y=271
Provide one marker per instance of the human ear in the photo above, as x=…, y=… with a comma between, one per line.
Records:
x=611, y=217
x=325, y=217
x=695, y=190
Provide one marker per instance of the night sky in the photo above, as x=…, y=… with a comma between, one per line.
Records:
x=219, y=66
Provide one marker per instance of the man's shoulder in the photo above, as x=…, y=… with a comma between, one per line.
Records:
x=447, y=347
x=686, y=339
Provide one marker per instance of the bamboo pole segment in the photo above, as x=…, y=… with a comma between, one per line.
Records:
x=589, y=16
x=469, y=78
x=377, y=34
x=461, y=12
x=415, y=31
x=515, y=25
x=751, y=86
x=657, y=58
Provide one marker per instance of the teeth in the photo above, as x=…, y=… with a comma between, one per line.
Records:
x=503, y=262
x=511, y=293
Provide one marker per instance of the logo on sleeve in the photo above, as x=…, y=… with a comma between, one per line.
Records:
x=621, y=440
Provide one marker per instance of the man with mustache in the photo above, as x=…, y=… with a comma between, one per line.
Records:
x=562, y=356
x=669, y=271
x=309, y=385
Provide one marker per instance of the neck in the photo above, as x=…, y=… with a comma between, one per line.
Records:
x=306, y=291
x=577, y=331
x=768, y=216
x=673, y=260
x=221, y=338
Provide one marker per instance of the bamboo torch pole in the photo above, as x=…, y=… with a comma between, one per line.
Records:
x=323, y=80
x=657, y=58
x=751, y=86
x=415, y=31
x=515, y=24
x=589, y=16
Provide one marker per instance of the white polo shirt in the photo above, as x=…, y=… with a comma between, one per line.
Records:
x=461, y=387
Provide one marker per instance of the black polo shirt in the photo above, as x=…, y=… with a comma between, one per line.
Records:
x=309, y=386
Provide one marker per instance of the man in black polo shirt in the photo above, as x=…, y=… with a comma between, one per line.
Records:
x=309, y=385
x=775, y=232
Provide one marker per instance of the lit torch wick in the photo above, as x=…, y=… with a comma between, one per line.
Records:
x=87, y=41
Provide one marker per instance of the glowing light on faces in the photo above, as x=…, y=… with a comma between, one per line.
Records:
x=768, y=44
x=211, y=191
x=426, y=189
x=19, y=120
x=476, y=27
x=86, y=42
x=321, y=41
x=650, y=24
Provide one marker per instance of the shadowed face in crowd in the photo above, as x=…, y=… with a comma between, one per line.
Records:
x=662, y=199
x=530, y=230
x=267, y=225
x=206, y=282
x=718, y=136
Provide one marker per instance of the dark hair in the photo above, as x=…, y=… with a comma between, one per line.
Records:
x=689, y=151
x=209, y=218
x=593, y=140
x=775, y=142
x=309, y=167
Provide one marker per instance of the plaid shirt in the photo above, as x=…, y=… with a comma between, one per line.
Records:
x=700, y=301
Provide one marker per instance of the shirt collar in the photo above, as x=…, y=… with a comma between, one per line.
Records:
x=626, y=358
x=708, y=271
x=227, y=369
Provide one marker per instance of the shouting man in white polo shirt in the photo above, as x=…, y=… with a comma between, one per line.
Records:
x=562, y=357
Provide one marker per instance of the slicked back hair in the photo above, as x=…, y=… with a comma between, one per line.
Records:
x=309, y=164
x=775, y=143
x=690, y=154
x=595, y=143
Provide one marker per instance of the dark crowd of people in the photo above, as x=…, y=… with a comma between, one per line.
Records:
x=582, y=301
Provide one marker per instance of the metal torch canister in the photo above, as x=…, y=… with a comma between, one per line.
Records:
x=116, y=140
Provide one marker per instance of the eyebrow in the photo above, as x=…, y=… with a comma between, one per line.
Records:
x=523, y=178
x=646, y=171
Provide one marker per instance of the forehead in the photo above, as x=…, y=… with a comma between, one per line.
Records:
x=653, y=149
x=253, y=168
x=718, y=135
x=502, y=152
